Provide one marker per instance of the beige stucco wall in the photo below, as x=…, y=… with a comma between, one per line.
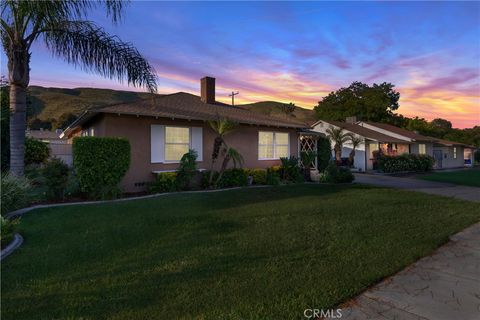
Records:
x=137, y=130
x=447, y=160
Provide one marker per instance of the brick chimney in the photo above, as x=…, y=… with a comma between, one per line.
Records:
x=207, y=89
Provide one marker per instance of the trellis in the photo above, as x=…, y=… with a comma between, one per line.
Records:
x=308, y=143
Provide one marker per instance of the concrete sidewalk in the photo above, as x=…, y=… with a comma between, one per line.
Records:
x=443, y=286
x=438, y=188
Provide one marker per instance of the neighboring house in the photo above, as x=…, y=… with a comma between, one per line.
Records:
x=163, y=128
x=59, y=147
x=447, y=154
x=372, y=141
x=392, y=140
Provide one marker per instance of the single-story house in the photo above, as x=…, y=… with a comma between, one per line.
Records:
x=163, y=128
x=372, y=141
x=392, y=140
x=447, y=154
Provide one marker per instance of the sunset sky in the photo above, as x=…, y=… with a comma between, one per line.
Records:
x=299, y=52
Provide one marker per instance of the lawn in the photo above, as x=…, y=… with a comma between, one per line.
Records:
x=467, y=177
x=265, y=253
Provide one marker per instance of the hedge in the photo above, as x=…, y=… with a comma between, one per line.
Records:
x=36, y=151
x=405, y=163
x=100, y=164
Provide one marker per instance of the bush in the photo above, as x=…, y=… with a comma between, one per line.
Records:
x=234, y=177
x=476, y=156
x=165, y=182
x=324, y=153
x=36, y=151
x=73, y=187
x=56, y=178
x=405, y=162
x=8, y=230
x=259, y=176
x=14, y=192
x=290, y=170
x=335, y=174
x=100, y=164
x=187, y=170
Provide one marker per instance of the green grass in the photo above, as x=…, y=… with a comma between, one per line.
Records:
x=264, y=253
x=467, y=177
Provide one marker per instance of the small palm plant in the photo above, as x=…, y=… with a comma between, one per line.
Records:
x=308, y=157
x=355, y=141
x=221, y=127
x=338, y=137
x=230, y=155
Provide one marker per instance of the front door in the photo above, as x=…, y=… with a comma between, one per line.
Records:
x=437, y=156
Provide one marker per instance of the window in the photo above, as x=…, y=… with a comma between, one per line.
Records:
x=89, y=132
x=422, y=149
x=272, y=145
x=177, y=143
x=454, y=152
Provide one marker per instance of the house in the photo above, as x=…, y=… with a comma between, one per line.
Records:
x=163, y=128
x=59, y=146
x=447, y=154
x=372, y=141
x=391, y=140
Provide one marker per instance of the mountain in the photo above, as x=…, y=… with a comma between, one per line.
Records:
x=274, y=108
x=56, y=107
x=50, y=104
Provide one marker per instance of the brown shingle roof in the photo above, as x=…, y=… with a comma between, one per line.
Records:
x=365, y=132
x=403, y=132
x=188, y=106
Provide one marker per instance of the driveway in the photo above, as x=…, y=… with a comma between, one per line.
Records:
x=438, y=188
x=443, y=286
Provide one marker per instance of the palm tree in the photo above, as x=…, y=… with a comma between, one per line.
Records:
x=338, y=137
x=355, y=141
x=233, y=155
x=61, y=25
x=221, y=127
x=308, y=157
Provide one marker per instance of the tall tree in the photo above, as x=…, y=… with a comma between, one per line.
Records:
x=371, y=103
x=62, y=26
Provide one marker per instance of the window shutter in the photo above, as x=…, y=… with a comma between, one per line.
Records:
x=197, y=141
x=157, y=143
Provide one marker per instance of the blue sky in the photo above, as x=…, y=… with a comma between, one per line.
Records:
x=300, y=51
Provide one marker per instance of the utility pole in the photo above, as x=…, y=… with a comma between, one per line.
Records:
x=233, y=97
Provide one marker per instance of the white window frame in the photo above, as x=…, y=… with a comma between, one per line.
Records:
x=424, y=148
x=274, y=144
x=175, y=143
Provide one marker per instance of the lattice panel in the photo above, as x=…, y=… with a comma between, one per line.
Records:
x=307, y=144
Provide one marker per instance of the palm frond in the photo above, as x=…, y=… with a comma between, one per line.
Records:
x=222, y=126
x=236, y=157
x=83, y=43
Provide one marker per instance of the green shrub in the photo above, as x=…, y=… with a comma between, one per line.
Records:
x=476, y=156
x=14, y=192
x=73, y=186
x=273, y=178
x=235, y=177
x=259, y=176
x=335, y=174
x=100, y=164
x=56, y=178
x=8, y=230
x=165, y=182
x=187, y=170
x=405, y=163
x=324, y=153
x=290, y=170
x=36, y=151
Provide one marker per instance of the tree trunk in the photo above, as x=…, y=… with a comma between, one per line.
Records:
x=18, y=103
x=351, y=157
x=19, y=77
